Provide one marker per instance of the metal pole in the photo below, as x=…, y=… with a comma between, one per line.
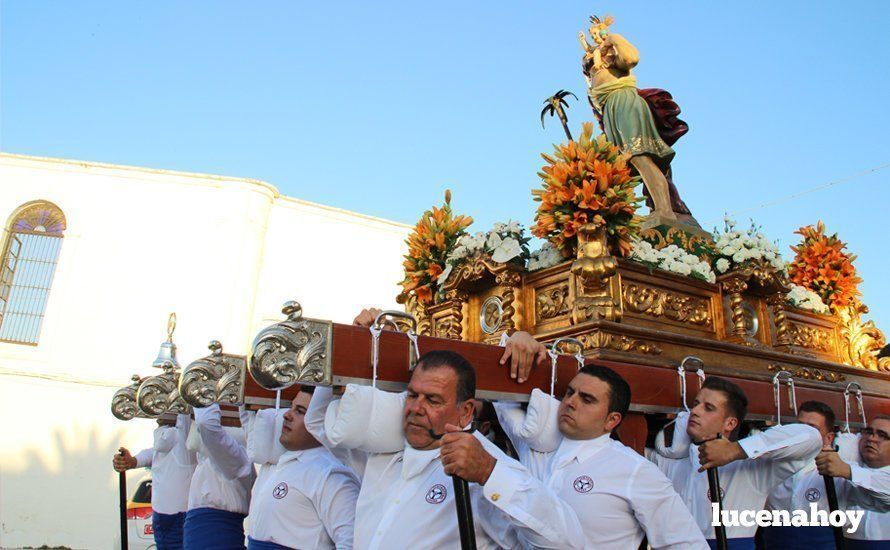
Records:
x=714, y=489
x=462, y=503
x=122, y=497
x=716, y=498
x=831, y=493
x=464, y=513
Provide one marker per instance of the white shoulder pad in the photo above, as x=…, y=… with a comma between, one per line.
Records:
x=366, y=418
x=540, y=429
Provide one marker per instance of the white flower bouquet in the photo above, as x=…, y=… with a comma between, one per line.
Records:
x=505, y=242
x=735, y=248
x=672, y=258
x=546, y=256
x=803, y=298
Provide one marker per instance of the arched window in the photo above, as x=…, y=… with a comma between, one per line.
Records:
x=34, y=239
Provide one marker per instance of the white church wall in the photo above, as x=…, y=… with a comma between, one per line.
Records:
x=139, y=244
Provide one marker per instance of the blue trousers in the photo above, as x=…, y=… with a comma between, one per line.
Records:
x=798, y=538
x=253, y=544
x=212, y=529
x=734, y=544
x=168, y=530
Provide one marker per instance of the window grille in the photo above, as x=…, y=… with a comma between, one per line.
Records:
x=29, y=264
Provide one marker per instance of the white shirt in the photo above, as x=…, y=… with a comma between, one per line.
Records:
x=307, y=501
x=773, y=456
x=618, y=495
x=407, y=501
x=172, y=466
x=225, y=474
x=867, y=489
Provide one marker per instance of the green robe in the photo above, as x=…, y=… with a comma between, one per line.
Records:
x=628, y=122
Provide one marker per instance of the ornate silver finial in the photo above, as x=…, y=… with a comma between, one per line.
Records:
x=217, y=378
x=294, y=351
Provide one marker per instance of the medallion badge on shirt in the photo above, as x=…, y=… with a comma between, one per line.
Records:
x=436, y=494
x=583, y=484
x=280, y=490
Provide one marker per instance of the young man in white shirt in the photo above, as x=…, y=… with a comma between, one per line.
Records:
x=803, y=488
x=172, y=466
x=749, y=469
x=308, y=499
x=219, y=495
x=864, y=484
x=618, y=495
x=406, y=498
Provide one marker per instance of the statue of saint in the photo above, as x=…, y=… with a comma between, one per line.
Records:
x=637, y=121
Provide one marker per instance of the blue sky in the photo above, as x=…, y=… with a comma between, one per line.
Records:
x=378, y=107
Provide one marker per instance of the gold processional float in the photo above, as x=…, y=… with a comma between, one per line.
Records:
x=645, y=295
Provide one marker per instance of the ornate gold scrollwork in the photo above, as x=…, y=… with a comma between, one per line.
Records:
x=809, y=337
x=655, y=302
x=160, y=394
x=123, y=403
x=861, y=341
x=552, y=301
x=600, y=340
x=808, y=373
x=593, y=270
x=217, y=378
x=675, y=236
x=291, y=352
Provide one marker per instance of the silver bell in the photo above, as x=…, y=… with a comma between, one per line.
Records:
x=167, y=353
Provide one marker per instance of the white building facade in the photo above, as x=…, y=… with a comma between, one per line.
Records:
x=95, y=258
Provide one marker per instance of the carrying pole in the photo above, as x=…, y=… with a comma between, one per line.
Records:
x=122, y=497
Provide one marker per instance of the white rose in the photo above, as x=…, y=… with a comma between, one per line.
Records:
x=722, y=265
x=690, y=259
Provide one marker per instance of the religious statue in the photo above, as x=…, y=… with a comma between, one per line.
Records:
x=643, y=123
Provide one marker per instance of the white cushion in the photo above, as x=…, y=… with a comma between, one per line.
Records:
x=540, y=428
x=367, y=419
x=680, y=444
x=263, y=445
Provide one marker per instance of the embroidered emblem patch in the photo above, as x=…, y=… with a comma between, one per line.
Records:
x=436, y=494
x=583, y=484
x=722, y=494
x=280, y=490
x=813, y=495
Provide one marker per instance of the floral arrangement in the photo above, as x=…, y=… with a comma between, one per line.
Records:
x=823, y=266
x=546, y=256
x=733, y=248
x=429, y=244
x=674, y=259
x=803, y=298
x=587, y=181
x=505, y=242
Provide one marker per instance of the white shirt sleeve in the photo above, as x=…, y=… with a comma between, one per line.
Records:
x=184, y=456
x=335, y=504
x=314, y=422
x=868, y=488
x=539, y=516
x=143, y=458
x=227, y=455
x=660, y=510
x=777, y=453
